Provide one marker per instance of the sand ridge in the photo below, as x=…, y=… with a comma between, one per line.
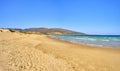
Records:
x=31, y=52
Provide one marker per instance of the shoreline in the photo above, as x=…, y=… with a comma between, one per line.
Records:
x=84, y=45
x=33, y=52
x=89, y=44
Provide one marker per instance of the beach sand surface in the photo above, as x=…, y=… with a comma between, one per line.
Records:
x=31, y=52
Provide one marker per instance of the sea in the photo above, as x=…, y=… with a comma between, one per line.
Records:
x=92, y=40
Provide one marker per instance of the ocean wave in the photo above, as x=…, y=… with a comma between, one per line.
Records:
x=105, y=40
x=92, y=40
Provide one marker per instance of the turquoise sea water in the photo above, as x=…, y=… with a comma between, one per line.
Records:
x=93, y=40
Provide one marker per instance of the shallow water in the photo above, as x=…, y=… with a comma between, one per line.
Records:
x=93, y=40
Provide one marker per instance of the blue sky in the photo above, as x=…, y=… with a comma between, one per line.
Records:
x=88, y=16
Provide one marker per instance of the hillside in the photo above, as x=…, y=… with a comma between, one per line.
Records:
x=53, y=31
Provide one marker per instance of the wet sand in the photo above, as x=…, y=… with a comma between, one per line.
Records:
x=31, y=52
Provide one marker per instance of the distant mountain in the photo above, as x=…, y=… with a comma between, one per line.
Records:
x=53, y=31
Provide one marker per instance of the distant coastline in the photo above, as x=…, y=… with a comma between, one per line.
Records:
x=48, y=31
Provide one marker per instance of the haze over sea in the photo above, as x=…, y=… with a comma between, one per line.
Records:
x=92, y=40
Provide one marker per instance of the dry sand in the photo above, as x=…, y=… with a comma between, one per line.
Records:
x=30, y=52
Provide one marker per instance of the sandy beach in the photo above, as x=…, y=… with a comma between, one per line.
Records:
x=32, y=52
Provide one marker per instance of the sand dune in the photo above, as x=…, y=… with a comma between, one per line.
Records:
x=30, y=52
